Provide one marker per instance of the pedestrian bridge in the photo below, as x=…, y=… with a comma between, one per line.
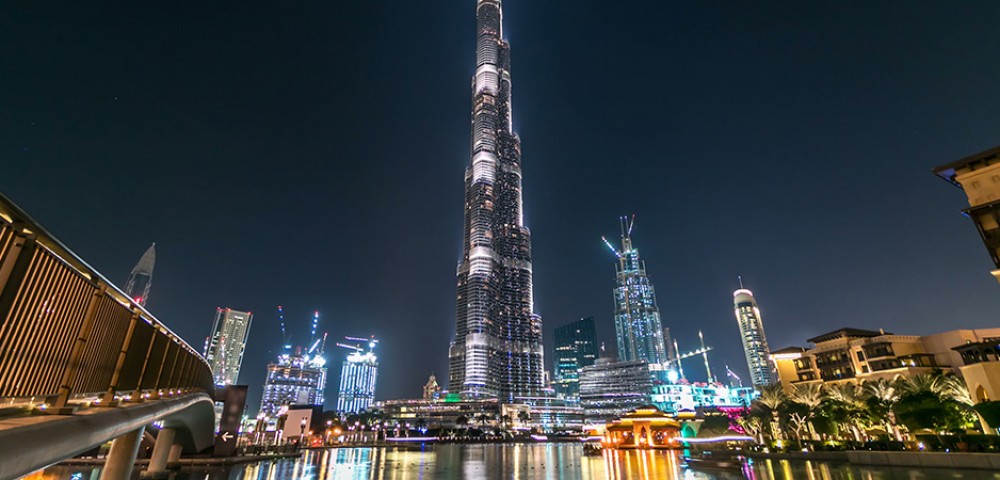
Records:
x=81, y=363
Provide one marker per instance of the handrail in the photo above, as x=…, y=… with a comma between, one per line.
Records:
x=11, y=213
x=65, y=330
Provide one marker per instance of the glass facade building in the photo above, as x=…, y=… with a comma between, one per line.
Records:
x=497, y=348
x=295, y=379
x=754, y=341
x=224, y=348
x=637, y=318
x=575, y=348
x=357, y=382
x=611, y=389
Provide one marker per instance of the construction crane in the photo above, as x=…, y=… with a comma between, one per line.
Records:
x=370, y=342
x=681, y=356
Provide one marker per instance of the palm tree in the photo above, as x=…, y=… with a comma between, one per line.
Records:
x=461, y=421
x=773, y=397
x=880, y=395
x=920, y=383
x=849, y=404
x=810, y=396
x=506, y=421
x=524, y=417
x=483, y=418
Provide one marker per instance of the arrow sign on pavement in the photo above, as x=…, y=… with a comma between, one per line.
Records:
x=225, y=436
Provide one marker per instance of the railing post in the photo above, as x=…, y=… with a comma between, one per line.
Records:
x=69, y=376
x=163, y=364
x=109, y=397
x=20, y=241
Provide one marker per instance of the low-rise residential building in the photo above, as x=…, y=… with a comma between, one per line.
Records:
x=851, y=354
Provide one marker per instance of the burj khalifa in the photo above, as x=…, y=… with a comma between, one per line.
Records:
x=497, y=349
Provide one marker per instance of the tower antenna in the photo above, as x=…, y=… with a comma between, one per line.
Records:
x=631, y=223
x=740, y=277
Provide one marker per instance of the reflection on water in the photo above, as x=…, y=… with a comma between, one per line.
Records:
x=517, y=462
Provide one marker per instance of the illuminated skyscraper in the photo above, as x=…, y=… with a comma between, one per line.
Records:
x=357, y=379
x=497, y=349
x=754, y=341
x=141, y=279
x=637, y=318
x=295, y=379
x=575, y=348
x=224, y=348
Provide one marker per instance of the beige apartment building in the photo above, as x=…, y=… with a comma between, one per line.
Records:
x=855, y=355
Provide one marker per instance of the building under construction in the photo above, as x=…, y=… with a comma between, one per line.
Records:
x=637, y=318
x=298, y=377
x=357, y=375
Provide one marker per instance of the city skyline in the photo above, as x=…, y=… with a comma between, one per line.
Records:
x=813, y=152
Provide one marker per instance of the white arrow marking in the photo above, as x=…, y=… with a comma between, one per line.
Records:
x=226, y=436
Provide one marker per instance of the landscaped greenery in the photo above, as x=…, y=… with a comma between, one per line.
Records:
x=936, y=406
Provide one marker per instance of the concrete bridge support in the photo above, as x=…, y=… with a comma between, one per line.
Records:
x=161, y=452
x=121, y=458
x=175, y=453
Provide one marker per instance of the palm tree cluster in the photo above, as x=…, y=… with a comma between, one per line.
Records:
x=878, y=409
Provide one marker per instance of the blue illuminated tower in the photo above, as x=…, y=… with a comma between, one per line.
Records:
x=637, y=318
x=357, y=376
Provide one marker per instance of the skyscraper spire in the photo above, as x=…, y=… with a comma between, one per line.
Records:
x=497, y=350
x=141, y=279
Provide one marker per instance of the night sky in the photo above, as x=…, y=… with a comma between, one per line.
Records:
x=311, y=155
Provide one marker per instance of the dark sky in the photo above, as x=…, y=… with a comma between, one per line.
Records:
x=311, y=155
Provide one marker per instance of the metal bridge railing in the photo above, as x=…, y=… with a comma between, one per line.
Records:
x=66, y=332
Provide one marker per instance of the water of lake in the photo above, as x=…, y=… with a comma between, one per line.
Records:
x=552, y=461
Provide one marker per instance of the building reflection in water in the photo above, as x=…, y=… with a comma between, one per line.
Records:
x=553, y=461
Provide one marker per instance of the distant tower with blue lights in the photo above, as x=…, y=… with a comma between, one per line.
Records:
x=637, y=318
x=357, y=376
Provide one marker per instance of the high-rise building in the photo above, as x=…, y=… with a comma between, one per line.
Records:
x=575, y=348
x=225, y=346
x=497, y=349
x=141, y=279
x=979, y=176
x=754, y=341
x=357, y=379
x=637, y=318
x=295, y=379
x=610, y=389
